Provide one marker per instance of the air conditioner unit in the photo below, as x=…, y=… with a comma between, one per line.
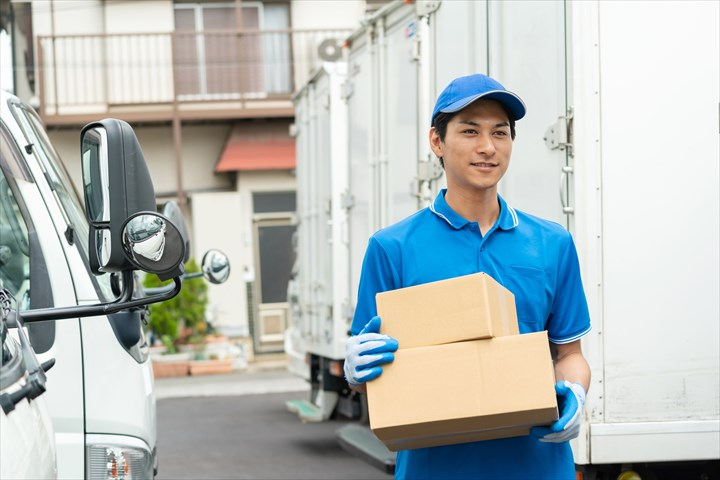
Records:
x=330, y=50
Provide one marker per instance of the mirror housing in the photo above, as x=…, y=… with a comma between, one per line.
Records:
x=172, y=211
x=116, y=185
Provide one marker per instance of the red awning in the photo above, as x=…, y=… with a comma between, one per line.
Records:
x=258, y=147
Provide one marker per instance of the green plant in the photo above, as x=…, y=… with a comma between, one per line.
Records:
x=181, y=319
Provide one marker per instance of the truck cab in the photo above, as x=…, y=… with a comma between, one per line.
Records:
x=71, y=269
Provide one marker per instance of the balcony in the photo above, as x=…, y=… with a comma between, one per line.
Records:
x=159, y=77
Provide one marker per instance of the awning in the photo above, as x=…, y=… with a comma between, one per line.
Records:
x=263, y=146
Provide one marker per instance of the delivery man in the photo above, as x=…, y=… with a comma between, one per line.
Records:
x=469, y=229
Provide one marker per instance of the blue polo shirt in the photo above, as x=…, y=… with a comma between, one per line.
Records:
x=533, y=258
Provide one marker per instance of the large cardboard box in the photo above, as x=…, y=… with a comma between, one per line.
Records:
x=463, y=308
x=463, y=392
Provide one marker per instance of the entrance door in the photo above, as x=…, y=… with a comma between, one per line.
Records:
x=273, y=230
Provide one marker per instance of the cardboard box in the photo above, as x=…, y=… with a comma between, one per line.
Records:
x=463, y=308
x=464, y=392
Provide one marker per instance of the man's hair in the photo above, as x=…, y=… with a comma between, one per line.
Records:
x=442, y=119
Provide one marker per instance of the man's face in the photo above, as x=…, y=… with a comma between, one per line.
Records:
x=477, y=147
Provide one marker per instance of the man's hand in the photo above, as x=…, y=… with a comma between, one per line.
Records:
x=571, y=398
x=366, y=351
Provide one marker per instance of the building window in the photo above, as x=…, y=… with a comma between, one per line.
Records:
x=273, y=202
x=216, y=59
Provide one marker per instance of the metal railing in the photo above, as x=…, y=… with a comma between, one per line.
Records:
x=157, y=74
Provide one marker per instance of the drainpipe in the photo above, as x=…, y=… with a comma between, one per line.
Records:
x=177, y=143
x=177, y=137
x=54, y=59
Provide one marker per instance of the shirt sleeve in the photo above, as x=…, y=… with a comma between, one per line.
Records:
x=378, y=274
x=569, y=316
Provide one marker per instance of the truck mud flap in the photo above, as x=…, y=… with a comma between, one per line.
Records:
x=361, y=442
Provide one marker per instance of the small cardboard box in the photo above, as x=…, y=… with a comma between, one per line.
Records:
x=464, y=392
x=462, y=308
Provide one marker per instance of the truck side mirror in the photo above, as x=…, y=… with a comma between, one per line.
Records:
x=215, y=266
x=154, y=245
x=116, y=185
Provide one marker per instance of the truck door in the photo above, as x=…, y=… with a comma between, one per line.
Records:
x=527, y=52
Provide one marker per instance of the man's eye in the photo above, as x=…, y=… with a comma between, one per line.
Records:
x=470, y=131
x=501, y=133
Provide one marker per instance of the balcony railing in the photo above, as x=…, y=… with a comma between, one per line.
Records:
x=160, y=76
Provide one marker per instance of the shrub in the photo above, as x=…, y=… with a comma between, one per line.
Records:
x=182, y=318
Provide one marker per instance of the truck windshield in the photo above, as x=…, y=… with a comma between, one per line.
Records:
x=60, y=182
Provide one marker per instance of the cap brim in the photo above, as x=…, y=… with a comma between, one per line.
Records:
x=513, y=103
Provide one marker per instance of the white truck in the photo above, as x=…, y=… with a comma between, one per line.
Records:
x=606, y=84
x=27, y=442
x=71, y=272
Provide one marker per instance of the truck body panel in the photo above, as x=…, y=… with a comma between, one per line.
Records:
x=595, y=154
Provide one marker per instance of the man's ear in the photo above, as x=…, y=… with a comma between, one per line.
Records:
x=436, y=143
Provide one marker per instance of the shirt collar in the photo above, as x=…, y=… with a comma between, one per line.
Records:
x=507, y=220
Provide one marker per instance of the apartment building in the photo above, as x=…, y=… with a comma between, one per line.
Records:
x=207, y=86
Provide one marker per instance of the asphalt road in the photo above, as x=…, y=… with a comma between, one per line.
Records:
x=237, y=427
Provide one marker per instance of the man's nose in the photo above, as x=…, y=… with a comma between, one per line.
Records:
x=485, y=144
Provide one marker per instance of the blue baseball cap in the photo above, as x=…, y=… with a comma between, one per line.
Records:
x=462, y=91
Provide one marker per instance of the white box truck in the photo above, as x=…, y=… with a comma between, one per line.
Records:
x=607, y=85
x=70, y=270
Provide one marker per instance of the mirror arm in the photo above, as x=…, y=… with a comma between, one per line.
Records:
x=60, y=313
x=168, y=287
x=128, y=282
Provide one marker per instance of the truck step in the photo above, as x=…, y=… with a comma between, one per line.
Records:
x=361, y=442
x=306, y=411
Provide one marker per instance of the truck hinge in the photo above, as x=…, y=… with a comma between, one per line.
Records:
x=346, y=90
x=429, y=170
x=293, y=130
x=348, y=311
x=558, y=136
x=347, y=200
x=416, y=51
x=426, y=7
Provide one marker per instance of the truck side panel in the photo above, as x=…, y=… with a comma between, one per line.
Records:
x=659, y=122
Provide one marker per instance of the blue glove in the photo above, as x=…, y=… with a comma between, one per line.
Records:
x=571, y=398
x=367, y=350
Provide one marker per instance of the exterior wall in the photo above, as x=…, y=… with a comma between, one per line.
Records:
x=324, y=14
x=96, y=16
x=128, y=16
x=227, y=305
x=225, y=221
x=71, y=17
